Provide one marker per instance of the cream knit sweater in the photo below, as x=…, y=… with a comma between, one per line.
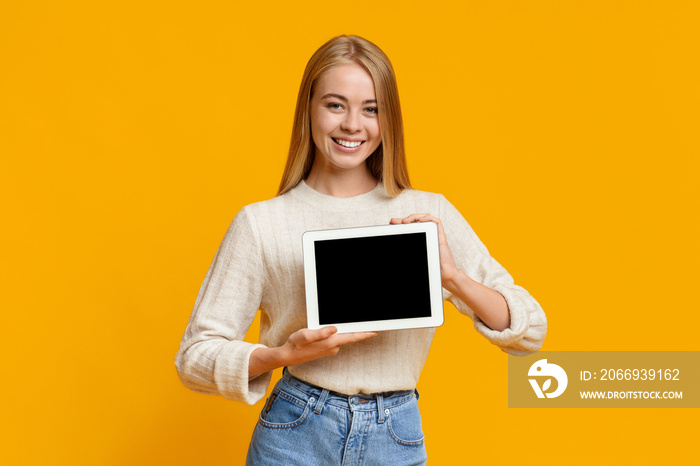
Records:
x=259, y=265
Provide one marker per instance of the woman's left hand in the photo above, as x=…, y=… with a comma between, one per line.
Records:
x=489, y=305
x=448, y=267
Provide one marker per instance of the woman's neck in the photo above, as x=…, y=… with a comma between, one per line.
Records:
x=341, y=183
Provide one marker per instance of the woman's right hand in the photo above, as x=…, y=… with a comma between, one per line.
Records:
x=302, y=346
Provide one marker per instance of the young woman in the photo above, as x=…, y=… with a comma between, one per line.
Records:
x=343, y=398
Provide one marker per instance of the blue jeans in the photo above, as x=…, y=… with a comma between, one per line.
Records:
x=302, y=424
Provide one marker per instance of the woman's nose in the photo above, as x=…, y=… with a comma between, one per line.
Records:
x=351, y=122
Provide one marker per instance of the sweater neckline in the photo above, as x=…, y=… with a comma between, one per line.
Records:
x=307, y=194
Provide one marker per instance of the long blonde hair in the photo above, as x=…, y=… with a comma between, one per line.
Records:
x=388, y=161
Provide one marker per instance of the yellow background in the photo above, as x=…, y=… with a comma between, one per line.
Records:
x=566, y=132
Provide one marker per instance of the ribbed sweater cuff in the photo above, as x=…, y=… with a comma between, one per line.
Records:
x=231, y=373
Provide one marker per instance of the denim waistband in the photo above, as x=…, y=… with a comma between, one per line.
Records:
x=358, y=402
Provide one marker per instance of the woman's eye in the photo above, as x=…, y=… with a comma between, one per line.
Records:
x=334, y=106
x=372, y=110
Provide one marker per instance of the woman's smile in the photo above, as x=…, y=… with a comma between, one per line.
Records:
x=346, y=145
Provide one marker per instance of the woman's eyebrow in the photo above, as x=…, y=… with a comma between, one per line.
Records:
x=332, y=95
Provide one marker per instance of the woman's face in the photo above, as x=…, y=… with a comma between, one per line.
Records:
x=344, y=122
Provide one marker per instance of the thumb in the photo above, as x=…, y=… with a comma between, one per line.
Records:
x=328, y=331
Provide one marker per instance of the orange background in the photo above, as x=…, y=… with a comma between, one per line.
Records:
x=132, y=132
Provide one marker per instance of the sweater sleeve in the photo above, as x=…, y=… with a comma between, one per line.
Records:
x=212, y=358
x=528, y=324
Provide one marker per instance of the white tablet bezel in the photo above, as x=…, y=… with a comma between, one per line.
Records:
x=437, y=316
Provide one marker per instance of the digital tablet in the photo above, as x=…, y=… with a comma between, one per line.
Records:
x=373, y=278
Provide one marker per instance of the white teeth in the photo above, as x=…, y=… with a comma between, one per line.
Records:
x=347, y=143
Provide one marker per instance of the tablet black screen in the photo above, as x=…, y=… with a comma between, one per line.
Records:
x=372, y=278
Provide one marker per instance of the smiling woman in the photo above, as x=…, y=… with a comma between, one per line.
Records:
x=357, y=392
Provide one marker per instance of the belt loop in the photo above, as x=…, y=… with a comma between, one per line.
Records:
x=416, y=394
x=318, y=408
x=380, y=408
